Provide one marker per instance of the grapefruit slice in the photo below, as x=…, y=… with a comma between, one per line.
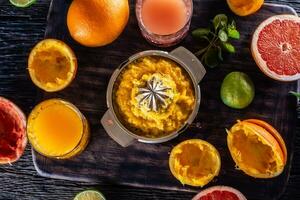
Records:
x=276, y=47
x=220, y=193
x=13, y=138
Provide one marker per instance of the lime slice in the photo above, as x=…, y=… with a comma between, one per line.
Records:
x=22, y=3
x=89, y=195
x=237, y=90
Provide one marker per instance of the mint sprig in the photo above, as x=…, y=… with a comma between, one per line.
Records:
x=216, y=39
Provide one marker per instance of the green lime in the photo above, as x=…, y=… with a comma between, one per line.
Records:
x=22, y=3
x=237, y=90
x=89, y=195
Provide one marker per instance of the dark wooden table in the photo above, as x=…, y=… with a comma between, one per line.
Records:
x=20, y=29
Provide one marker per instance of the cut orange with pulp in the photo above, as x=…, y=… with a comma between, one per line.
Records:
x=195, y=162
x=52, y=65
x=257, y=148
x=245, y=7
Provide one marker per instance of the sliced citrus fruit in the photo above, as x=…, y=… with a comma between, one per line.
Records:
x=195, y=162
x=257, y=148
x=95, y=23
x=22, y=3
x=52, y=65
x=237, y=90
x=89, y=195
x=245, y=7
x=275, y=47
x=221, y=193
x=13, y=138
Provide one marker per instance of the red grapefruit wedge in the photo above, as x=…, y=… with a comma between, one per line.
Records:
x=276, y=47
x=220, y=193
x=13, y=138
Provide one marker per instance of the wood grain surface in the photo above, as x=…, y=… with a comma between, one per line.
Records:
x=19, y=31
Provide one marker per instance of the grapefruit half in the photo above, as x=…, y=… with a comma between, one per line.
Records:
x=13, y=138
x=220, y=192
x=276, y=47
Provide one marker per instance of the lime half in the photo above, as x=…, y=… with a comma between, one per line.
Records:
x=22, y=3
x=237, y=90
x=89, y=195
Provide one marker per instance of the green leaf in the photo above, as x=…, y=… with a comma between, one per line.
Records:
x=211, y=58
x=228, y=47
x=233, y=33
x=223, y=35
x=199, y=32
x=296, y=94
x=220, y=53
x=220, y=20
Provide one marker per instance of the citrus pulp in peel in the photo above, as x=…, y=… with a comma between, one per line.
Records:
x=220, y=193
x=237, y=90
x=257, y=148
x=13, y=138
x=275, y=47
x=52, y=65
x=95, y=23
x=194, y=162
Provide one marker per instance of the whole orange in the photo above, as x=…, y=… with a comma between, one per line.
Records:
x=95, y=23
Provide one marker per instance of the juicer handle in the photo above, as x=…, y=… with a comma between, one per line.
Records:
x=115, y=131
x=192, y=62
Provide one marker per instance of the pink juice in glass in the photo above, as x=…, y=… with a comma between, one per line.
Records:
x=164, y=22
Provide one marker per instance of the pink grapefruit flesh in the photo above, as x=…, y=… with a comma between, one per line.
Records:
x=276, y=47
x=13, y=138
x=220, y=193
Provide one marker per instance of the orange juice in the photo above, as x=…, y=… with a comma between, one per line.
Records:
x=164, y=17
x=57, y=129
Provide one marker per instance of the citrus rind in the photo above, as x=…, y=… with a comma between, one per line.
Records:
x=181, y=172
x=266, y=158
x=48, y=46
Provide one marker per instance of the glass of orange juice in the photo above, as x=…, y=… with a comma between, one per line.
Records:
x=57, y=129
x=164, y=22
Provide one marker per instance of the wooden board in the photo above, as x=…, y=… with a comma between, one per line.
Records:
x=146, y=165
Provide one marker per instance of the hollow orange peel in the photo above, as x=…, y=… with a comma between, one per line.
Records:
x=52, y=65
x=194, y=162
x=257, y=148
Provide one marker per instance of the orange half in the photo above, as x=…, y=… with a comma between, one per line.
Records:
x=52, y=65
x=245, y=7
x=195, y=162
x=257, y=148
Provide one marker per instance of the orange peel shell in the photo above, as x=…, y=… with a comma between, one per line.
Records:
x=194, y=162
x=257, y=148
x=52, y=65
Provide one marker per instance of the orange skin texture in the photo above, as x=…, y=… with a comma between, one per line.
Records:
x=275, y=134
x=245, y=7
x=95, y=23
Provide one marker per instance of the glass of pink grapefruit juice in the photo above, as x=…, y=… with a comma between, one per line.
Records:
x=164, y=22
